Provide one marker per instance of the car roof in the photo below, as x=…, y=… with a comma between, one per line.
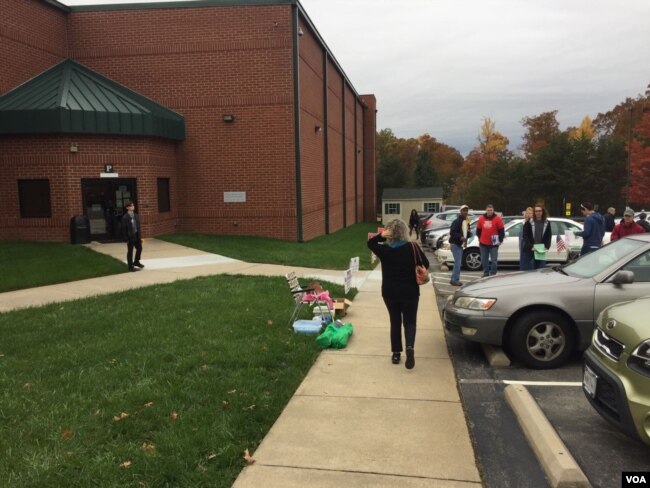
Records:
x=551, y=219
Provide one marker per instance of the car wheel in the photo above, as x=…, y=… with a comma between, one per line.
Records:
x=542, y=340
x=472, y=259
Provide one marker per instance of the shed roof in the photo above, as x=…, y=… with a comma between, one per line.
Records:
x=70, y=98
x=434, y=192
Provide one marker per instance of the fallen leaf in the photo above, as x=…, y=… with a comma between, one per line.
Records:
x=212, y=455
x=248, y=458
x=27, y=386
x=148, y=447
x=67, y=433
x=250, y=407
x=231, y=392
x=125, y=465
x=201, y=468
x=121, y=416
x=269, y=322
x=173, y=416
x=97, y=412
x=205, y=366
x=150, y=404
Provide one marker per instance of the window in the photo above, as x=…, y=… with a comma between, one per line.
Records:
x=431, y=207
x=34, y=197
x=391, y=208
x=163, y=195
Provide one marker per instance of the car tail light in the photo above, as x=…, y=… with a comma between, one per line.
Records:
x=427, y=222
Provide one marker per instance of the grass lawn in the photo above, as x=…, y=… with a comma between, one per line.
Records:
x=31, y=264
x=159, y=386
x=327, y=252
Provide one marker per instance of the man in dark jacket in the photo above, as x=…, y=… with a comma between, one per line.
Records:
x=132, y=233
x=643, y=222
x=458, y=235
x=593, y=231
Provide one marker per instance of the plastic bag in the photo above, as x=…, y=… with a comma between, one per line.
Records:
x=335, y=336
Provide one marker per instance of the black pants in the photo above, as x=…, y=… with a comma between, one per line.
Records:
x=130, y=244
x=406, y=312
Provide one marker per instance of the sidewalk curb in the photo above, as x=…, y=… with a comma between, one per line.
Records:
x=557, y=462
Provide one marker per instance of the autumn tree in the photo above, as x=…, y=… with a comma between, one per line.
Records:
x=425, y=174
x=492, y=144
x=540, y=129
x=586, y=130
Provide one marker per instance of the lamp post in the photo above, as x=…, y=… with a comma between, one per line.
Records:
x=629, y=158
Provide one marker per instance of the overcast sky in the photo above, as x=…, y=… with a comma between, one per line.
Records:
x=440, y=66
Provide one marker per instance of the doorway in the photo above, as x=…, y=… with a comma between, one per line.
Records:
x=103, y=203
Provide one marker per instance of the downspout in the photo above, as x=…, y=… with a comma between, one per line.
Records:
x=356, y=172
x=296, y=116
x=345, y=206
x=326, y=145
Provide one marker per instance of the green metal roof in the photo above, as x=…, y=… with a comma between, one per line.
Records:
x=69, y=98
x=434, y=192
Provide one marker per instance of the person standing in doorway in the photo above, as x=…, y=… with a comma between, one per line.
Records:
x=525, y=255
x=593, y=230
x=610, y=219
x=399, y=288
x=458, y=235
x=490, y=232
x=537, y=236
x=132, y=233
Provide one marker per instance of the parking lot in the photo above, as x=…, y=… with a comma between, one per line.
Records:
x=503, y=452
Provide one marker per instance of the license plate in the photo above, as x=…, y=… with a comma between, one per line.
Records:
x=589, y=381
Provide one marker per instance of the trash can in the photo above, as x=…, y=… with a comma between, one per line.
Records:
x=79, y=229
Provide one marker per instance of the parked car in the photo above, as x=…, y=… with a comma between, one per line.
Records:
x=441, y=220
x=437, y=238
x=616, y=378
x=543, y=316
x=509, y=249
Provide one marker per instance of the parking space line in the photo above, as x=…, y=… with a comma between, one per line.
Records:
x=517, y=382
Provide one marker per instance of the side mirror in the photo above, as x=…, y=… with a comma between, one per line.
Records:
x=623, y=277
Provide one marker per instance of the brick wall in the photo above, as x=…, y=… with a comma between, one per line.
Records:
x=203, y=62
x=141, y=158
x=32, y=39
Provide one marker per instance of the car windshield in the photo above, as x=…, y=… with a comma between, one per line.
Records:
x=598, y=261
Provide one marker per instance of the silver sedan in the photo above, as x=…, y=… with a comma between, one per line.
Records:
x=543, y=316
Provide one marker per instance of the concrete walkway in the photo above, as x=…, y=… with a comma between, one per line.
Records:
x=356, y=419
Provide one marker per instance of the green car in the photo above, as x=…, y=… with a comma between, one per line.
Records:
x=616, y=378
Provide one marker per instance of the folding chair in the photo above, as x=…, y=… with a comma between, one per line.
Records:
x=298, y=292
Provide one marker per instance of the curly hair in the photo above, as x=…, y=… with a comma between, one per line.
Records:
x=399, y=229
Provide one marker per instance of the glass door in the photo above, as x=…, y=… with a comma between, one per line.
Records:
x=103, y=202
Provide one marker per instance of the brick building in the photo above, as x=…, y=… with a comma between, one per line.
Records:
x=224, y=117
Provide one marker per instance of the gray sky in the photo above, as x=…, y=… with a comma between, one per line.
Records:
x=440, y=66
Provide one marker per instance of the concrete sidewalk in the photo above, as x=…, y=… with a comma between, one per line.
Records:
x=356, y=419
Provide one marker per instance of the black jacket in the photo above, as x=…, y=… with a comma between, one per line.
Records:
x=456, y=231
x=128, y=233
x=529, y=237
x=397, y=268
x=609, y=222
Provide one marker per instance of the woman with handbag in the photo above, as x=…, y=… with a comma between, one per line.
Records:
x=399, y=286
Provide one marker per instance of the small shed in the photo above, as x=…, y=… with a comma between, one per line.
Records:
x=398, y=202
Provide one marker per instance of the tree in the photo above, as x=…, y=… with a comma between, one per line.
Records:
x=585, y=131
x=539, y=131
x=425, y=174
x=492, y=144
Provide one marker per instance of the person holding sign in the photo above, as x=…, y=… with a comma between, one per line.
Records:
x=399, y=288
x=537, y=236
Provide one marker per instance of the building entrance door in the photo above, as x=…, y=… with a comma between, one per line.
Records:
x=103, y=202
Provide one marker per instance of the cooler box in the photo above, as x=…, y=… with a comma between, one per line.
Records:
x=307, y=326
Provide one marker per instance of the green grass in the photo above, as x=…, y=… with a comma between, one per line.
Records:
x=216, y=351
x=31, y=264
x=326, y=252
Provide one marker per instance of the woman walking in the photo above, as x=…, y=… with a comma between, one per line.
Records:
x=414, y=223
x=537, y=236
x=399, y=289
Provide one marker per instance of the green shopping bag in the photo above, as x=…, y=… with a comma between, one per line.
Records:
x=335, y=336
